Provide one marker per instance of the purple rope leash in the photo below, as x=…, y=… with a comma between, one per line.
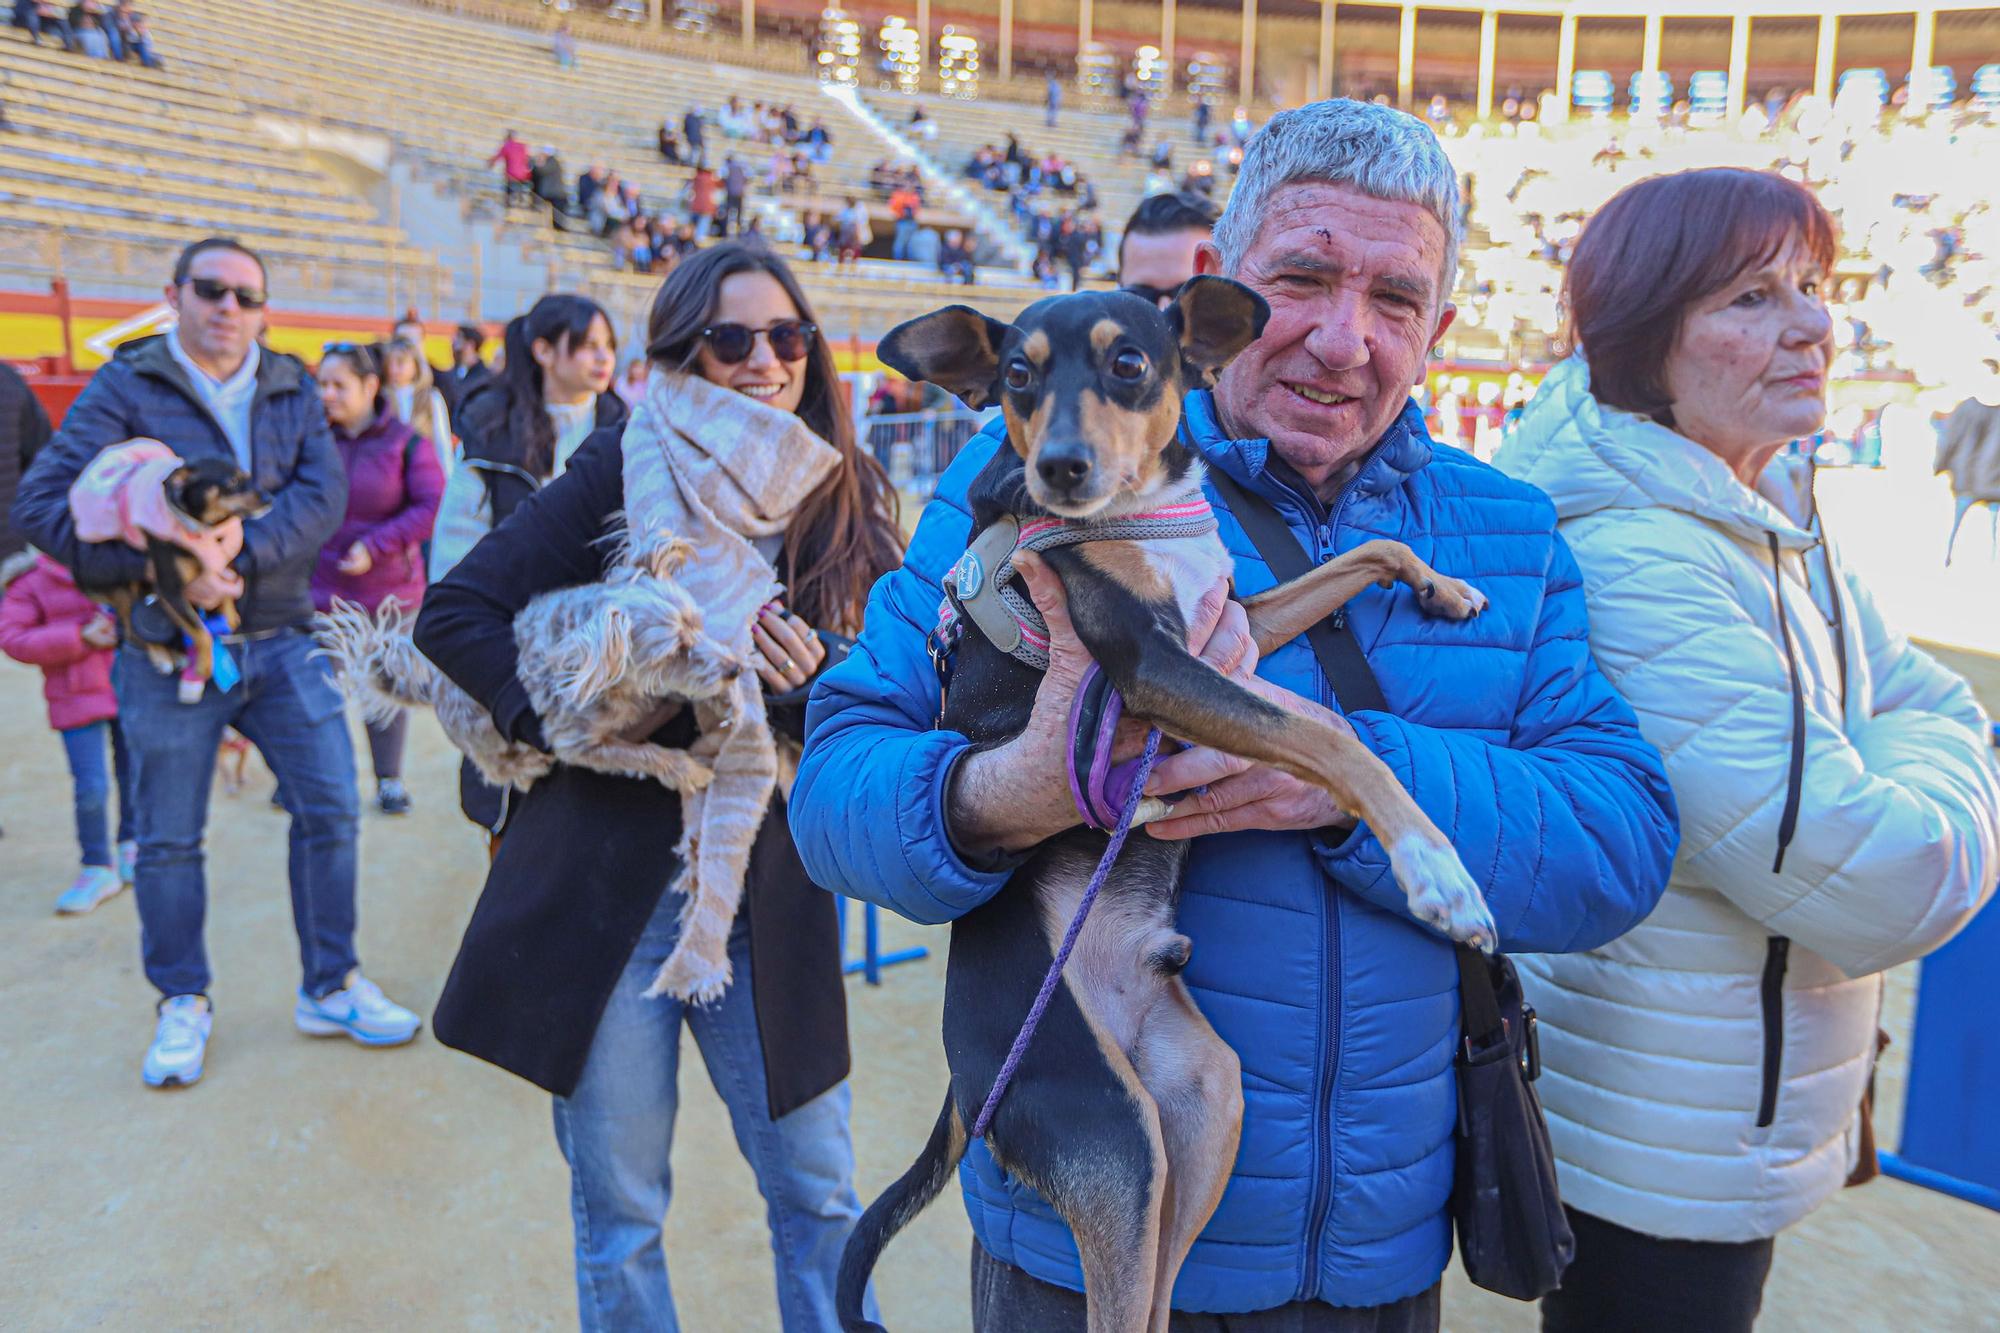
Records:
x=1048, y=990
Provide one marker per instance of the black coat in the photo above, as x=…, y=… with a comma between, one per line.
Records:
x=24, y=429
x=457, y=386
x=488, y=447
x=587, y=856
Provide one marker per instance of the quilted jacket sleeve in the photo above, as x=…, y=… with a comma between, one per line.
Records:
x=867, y=810
x=1899, y=817
x=28, y=633
x=307, y=509
x=1569, y=827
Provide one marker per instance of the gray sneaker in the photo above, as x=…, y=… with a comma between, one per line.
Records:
x=180, y=1042
x=359, y=1010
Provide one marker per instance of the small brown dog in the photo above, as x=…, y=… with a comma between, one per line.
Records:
x=202, y=493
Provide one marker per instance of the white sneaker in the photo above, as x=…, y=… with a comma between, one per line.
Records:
x=179, y=1042
x=359, y=1010
x=92, y=885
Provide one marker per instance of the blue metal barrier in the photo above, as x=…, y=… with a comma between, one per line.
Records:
x=872, y=959
x=1953, y=1099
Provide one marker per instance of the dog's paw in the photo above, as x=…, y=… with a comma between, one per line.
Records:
x=1441, y=894
x=1453, y=599
x=685, y=775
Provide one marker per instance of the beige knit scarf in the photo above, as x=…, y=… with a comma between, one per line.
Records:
x=716, y=469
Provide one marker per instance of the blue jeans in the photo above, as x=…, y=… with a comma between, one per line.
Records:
x=91, y=786
x=617, y=1131
x=906, y=231
x=288, y=706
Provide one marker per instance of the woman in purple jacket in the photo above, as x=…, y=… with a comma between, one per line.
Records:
x=394, y=484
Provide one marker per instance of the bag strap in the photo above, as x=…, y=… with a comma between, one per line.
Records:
x=1355, y=686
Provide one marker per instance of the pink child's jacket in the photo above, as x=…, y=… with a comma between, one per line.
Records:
x=42, y=617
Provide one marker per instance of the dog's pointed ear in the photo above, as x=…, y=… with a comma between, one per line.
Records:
x=955, y=348
x=1214, y=319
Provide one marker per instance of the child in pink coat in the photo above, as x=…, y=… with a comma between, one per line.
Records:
x=46, y=622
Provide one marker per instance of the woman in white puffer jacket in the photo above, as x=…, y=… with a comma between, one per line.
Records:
x=1839, y=803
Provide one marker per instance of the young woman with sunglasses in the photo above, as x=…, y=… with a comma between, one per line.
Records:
x=551, y=981
x=517, y=432
x=394, y=483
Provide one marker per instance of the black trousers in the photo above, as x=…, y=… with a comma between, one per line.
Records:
x=1634, y=1283
x=1007, y=1300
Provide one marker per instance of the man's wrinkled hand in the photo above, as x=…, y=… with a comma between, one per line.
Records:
x=209, y=591
x=1017, y=794
x=1242, y=794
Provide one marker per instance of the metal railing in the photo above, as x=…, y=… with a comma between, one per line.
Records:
x=915, y=448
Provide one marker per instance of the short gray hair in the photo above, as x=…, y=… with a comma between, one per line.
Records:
x=1377, y=150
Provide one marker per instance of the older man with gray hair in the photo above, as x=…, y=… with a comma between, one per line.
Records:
x=1341, y=1006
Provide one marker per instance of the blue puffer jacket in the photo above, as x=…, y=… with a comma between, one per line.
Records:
x=1343, y=1009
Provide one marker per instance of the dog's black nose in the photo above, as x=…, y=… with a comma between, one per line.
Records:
x=1062, y=469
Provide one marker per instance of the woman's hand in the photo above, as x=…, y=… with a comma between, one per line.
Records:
x=788, y=652
x=356, y=562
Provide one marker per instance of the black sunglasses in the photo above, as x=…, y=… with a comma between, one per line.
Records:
x=732, y=344
x=1156, y=295
x=208, y=289
x=361, y=356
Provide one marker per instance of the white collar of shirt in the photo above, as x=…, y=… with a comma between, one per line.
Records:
x=229, y=400
x=209, y=386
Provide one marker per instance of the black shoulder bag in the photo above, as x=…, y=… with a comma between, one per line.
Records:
x=1512, y=1235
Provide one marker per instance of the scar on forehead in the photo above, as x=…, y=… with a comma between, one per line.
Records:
x=1104, y=333
x=1036, y=348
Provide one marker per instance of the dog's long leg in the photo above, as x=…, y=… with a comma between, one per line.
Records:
x=640, y=759
x=1197, y=1084
x=1185, y=697
x=1111, y=1203
x=1288, y=610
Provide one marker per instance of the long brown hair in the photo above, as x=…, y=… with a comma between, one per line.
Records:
x=846, y=534
x=562, y=320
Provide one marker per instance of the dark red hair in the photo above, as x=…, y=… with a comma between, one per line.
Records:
x=1661, y=245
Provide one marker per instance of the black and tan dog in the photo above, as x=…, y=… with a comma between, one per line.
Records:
x=202, y=493
x=1125, y=1113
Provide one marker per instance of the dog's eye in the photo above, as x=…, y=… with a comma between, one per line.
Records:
x=1128, y=364
x=1019, y=376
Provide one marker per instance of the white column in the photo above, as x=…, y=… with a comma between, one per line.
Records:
x=1167, y=45
x=1082, y=24
x=1246, y=64
x=1923, y=49
x=1565, y=61
x=1006, y=40
x=1649, y=58
x=1406, y=58
x=1829, y=42
x=1739, y=64
x=1489, y=41
x=1325, y=74
x=749, y=24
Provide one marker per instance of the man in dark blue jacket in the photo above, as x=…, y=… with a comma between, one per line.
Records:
x=208, y=389
x=1341, y=1006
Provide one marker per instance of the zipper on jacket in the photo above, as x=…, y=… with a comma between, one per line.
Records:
x=1327, y=1064
x=1777, y=956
